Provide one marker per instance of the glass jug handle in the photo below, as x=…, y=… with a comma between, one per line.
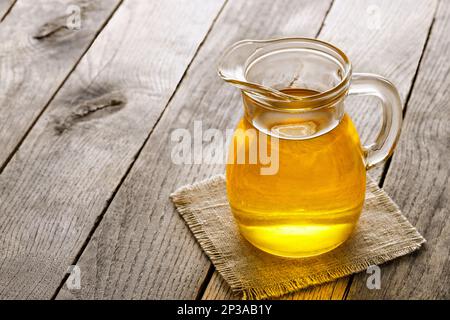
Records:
x=366, y=84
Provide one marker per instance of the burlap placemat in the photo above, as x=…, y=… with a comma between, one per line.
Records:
x=382, y=234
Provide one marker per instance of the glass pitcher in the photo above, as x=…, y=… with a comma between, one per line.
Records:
x=293, y=93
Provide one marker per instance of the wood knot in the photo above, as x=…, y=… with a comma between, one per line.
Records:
x=93, y=109
x=64, y=25
x=57, y=27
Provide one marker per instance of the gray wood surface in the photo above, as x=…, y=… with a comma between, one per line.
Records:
x=142, y=248
x=5, y=6
x=370, y=49
x=418, y=180
x=63, y=176
x=37, y=53
x=86, y=118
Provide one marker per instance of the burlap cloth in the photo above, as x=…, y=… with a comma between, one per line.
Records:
x=382, y=234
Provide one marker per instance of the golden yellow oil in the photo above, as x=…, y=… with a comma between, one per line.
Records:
x=312, y=203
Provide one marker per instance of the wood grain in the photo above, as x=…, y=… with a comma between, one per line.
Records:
x=38, y=52
x=218, y=289
x=5, y=6
x=142, y=248
x=390, y=46
x=63, y=176
x=418, y=180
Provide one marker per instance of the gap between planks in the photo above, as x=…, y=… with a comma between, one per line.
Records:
x=72, y=96
x=387, y=164
x=408, y=94
x=419, y=179
x=324, y=18
x=159, y=179
x=211, y=270
x=109, y=201
x=6, y=10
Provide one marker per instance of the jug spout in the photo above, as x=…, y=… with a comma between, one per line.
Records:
x=235, y=62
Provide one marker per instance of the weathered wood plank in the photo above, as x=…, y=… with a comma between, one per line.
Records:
x=142, y=248
x=391, y=46
x=5, y=6
x=418, y=179
x=38, y=52
x=218, y=289
x=63, y=176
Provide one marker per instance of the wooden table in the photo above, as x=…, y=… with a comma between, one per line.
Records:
x=85, y=124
